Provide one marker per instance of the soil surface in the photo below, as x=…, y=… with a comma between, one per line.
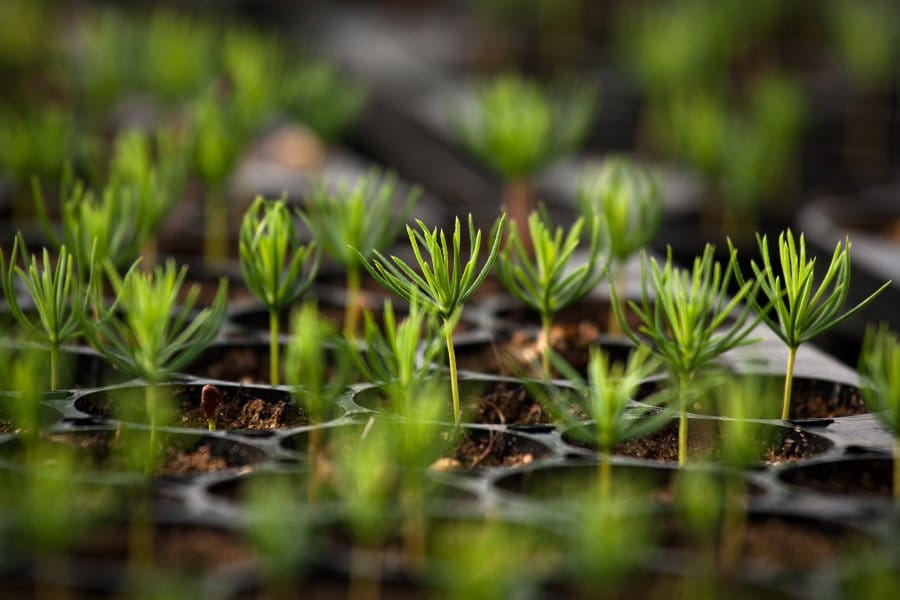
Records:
x=520, y=355
x=490, y=449
x=774, y=445
x=507, y=403
x=179, y=456
x=869, y=477
x=819, y=399
x=240, y=409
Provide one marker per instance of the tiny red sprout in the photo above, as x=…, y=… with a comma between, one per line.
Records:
x=210, y=398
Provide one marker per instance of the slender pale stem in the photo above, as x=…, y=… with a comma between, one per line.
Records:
x=612, y=325
x=273, y=346
x=546, y=326
x=313, y=447
x=788, y=384
x=54, y=366
x=351, y=313
x=215, y=243
x=682, y=420
x=897, y=469
x=454, y=384
x=152, y=406
x=605, y=475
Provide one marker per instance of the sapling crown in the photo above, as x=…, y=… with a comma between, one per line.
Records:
x=445, y=283
x=352, y=222
x=518, y=126
x=149, y=334
x=879, y=364
x=322, y=98
x=801, y=313
x=630, y=200
x=277, y=268
x=683, y=314
x=59, y=298
x=543, y=279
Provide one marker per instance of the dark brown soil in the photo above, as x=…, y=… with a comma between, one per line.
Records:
x=507, y=403
x=820, y=399
x=245, y=364
x=775, y=446
x=588, y=315
x=100, y=448
x=869, y=477
x=520, y=355
x=240, y=409
x=490, y=449
x=784, y=545
x=7, y=426
x=188, y=549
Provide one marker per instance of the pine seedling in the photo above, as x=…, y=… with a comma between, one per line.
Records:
x=217, y=139
x=390, y=357
x=606, y=397
x=629, y=198
x=322, y=98
x=544, y=280
x=177, y=55
x=252, y=60
x=518, y=127
x=148, y=334
x=443, y=286
x=351, y=223
x=800, y=313
x=684, y=313
x=879, y=365
x=277, y=268
x=60, y=300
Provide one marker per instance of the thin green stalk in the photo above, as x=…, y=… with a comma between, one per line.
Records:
x=734, y=526
x=788, y=384
x=451, y=356
x=273, y=346
x=54, y=366
x=896, y=469
x=351, y=313
x=605, y=476
x=151, y=401
x=215, y=243
x=546, y=347
x=619, y=273
x=682, y=421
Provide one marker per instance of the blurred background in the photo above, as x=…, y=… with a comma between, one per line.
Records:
x=759, y=115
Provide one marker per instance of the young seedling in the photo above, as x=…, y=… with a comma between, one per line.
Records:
x=177, y=56
x=59, y=298
x=217, y=143
x=210, y=399
x=545, y=281
x=148, y=334
x=443, y=286
x=801, y=314
x=252, y=61
x=518, y=127
x=360, y=217
x=319, y=96
x=628, y=196
x=880, y=366
x=317, y=366
x=390, y=357
x=276, y=266
x=684, y=315
x=606, y=396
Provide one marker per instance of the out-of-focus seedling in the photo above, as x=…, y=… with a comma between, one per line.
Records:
x=628, y=196
x=880, y=365
x=350, y=223
x=59, y=299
